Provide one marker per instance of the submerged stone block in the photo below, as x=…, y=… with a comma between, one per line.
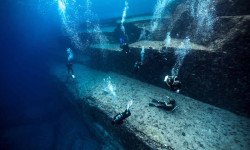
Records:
x=193, y=125
x=205, y=73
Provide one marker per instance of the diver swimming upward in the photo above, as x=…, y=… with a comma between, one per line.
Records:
x=173, y=82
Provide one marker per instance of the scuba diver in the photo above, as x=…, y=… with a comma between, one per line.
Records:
x=168, y=106
x=137, y=65
x=173, y=82
x=158, y=56
x=118, y=119
x=69, y=65
x=70, y=69
x=122, y=40
x=124, y=45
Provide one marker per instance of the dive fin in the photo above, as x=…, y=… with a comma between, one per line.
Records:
x=174, y=108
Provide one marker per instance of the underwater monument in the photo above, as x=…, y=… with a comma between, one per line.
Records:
x=204, y=42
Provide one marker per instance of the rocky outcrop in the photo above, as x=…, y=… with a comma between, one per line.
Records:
x=193, y=125
x=216, y=69
x=232, y=7
x=207, y=75
x=230, y=30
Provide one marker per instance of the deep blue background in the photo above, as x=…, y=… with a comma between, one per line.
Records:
x=33, y=112
x=26, y=39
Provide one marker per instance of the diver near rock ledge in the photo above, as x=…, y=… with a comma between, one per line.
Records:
x=69, y=64
x=173, y=83
x=168, y=106
x=124, y=45
x=118, y=119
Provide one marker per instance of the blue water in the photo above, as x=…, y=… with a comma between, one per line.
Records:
x=102, y=8
x=33, y=112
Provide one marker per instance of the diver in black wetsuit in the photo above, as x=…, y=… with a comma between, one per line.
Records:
x=125, y=48
x=124, y=45
x=173, y=82
x=70, y=69
x=118, y=119
x=168, y=106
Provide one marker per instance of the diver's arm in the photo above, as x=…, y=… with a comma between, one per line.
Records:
x=168, y=105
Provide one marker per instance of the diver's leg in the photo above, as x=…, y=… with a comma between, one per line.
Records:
x=170, y=108
x=161, y=107
x=158, y=102
x=152, y=105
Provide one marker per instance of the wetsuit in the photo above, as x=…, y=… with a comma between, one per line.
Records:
x=174, y=83
x=168, y=106
x=122, y=40
x=118, y=119
x=70, y=68
x=125, y=47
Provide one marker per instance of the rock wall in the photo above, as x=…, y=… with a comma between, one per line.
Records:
x=218, y=75
x=205, y=76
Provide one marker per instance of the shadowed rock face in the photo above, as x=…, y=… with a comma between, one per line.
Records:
x=232, y=7
x=206, y=76
x=231, y=18
x=213, y=77
x=133, y=32
x=230, y=30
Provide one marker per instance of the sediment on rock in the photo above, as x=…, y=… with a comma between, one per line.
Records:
x=150, y=127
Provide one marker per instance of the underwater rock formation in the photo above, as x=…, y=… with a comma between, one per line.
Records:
x=206, y=43
x=193, y=125
x=215, y=70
